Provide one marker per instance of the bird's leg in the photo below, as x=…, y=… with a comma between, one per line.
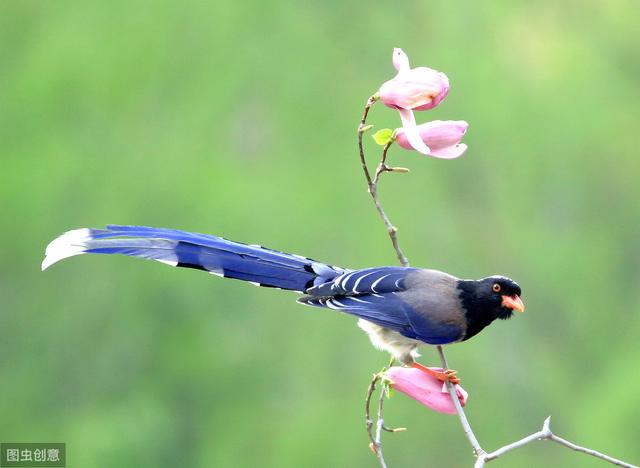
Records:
x=447, y=375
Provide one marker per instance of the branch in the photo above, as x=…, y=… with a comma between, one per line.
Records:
x=376, y=441
x=372, y=184
x=546, y=434
x=380, y=422
x=363, y=128
x=478, y=451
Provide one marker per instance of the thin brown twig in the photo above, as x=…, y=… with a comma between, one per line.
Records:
x=361, y=129
x=376, y=441
x=372, y=184
x=382, y=166
x=391, y=429
x=380, y=420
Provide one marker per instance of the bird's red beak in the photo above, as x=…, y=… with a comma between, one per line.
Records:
x=513, y=302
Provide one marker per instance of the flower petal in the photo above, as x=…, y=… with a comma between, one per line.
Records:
x=443, y=87
x=443, y=137
x=411, y=131
x=450, y=152
x=425, y=389
x=418, y=88
x=400, y=60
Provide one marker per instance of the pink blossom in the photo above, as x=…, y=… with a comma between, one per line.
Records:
x=425, y=389
x=442, y=138
x=413, y=89
x=418, y=88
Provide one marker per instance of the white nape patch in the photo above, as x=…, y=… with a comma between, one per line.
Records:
x=167, y=262
x=217, y=273
x=256, y=245
x=67, y=245
x=254, y=283
x=300, y=257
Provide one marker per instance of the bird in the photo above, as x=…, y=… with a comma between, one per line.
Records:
x=400, y=308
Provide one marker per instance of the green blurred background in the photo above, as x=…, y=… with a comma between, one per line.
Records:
x=238, y=119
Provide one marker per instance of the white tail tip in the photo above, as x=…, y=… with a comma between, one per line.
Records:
x=67, y=245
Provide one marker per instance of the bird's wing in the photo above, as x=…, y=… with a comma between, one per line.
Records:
x=376, y=280
x=372, y=294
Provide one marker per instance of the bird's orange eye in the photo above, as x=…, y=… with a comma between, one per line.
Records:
x=496, y=287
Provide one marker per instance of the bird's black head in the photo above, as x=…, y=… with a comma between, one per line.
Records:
x=488, y=299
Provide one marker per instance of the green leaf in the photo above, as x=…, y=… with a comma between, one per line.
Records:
x=382, y=136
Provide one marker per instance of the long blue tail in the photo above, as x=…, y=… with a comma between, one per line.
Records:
x=221, y=257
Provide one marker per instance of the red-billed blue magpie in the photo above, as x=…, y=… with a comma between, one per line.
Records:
x=399, y=307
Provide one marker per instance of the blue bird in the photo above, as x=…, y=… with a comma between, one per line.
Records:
x=400, y=308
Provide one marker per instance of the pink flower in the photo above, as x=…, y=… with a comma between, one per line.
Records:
x=442, y=138
x=413, y=89
x=425, y=389
x=418, y=88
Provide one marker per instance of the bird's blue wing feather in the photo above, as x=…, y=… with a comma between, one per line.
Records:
x=372, y=294
x=378, y=280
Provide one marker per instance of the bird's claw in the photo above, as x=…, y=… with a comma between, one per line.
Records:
x=450, y=375
x=445, y=375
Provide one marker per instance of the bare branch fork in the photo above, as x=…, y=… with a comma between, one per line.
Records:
x=546, y=434
x=482, y=457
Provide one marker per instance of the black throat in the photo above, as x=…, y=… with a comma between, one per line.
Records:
x=479, y=310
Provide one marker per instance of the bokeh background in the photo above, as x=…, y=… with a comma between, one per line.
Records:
x=238, y=119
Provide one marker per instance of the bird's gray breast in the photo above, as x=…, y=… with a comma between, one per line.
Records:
x=435, y=297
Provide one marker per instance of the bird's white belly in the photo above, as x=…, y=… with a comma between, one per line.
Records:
x=400, y=347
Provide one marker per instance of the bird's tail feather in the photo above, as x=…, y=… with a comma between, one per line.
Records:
x=252, y=263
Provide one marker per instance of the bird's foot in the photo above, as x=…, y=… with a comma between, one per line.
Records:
x=445, y=375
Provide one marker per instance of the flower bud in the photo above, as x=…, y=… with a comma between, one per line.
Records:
x=415, y=89
x=425, y=389
x=442, y=137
